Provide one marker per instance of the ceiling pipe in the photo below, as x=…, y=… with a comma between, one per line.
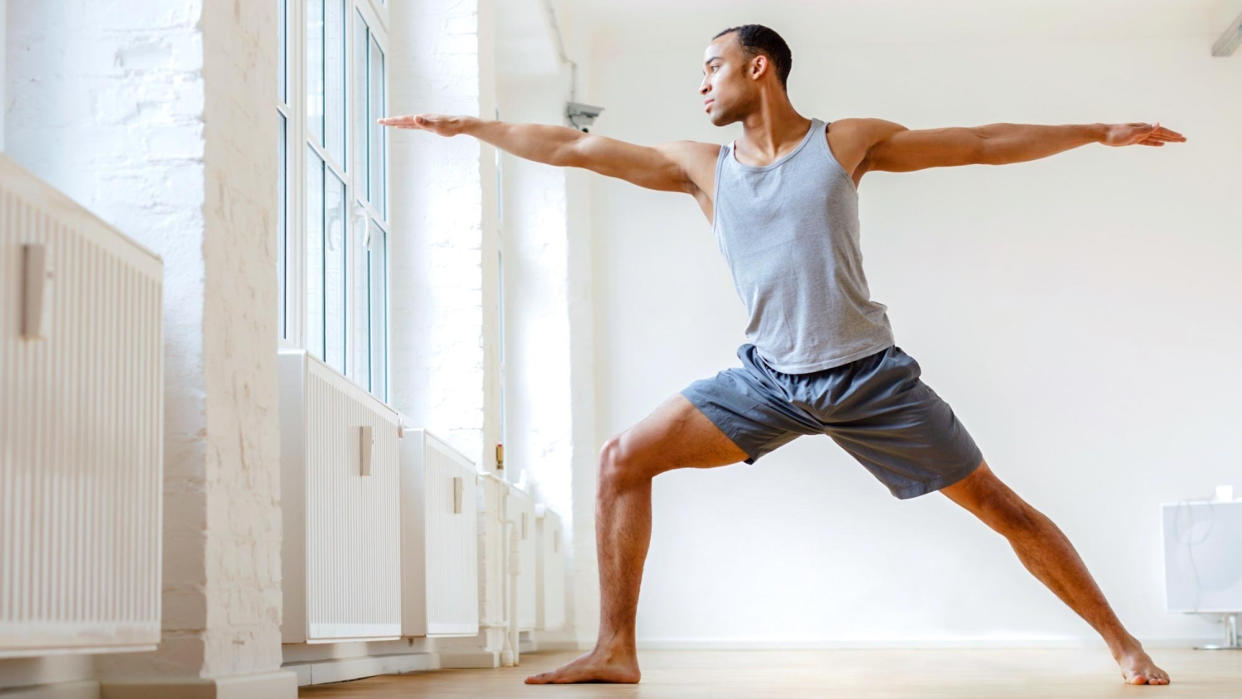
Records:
x=579, y=115
x=1230, y=40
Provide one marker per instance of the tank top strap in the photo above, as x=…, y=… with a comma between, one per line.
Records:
x=822, y=137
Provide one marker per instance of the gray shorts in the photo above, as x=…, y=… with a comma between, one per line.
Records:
x=876, y=408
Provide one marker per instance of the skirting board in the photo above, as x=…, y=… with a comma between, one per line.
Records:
x=281, y=684
x=470, y=659
x=321, y=671
x=60, y=690
x=548, y=641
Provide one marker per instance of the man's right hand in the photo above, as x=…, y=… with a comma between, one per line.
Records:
x=439, y=124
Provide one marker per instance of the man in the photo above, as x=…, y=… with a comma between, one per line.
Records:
x=821, y=357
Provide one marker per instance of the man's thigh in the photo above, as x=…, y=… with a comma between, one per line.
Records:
x=675, y=435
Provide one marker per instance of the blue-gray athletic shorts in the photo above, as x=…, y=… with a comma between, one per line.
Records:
x=876, y=408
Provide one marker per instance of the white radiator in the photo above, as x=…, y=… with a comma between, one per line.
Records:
x=493, y=579
x=550, y=569
x=439, y=543
x=81, y=428
x=340, y=482
x=521, y=511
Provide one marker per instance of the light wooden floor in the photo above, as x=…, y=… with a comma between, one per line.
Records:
x=834, y=673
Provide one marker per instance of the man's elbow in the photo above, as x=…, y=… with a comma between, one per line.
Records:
x=983, y=151
x=574, y=150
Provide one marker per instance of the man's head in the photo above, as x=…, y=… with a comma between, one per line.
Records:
x=740, y=65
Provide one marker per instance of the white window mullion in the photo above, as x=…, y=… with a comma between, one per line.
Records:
x=376, y=13
x=333, y=165
x=295, y=300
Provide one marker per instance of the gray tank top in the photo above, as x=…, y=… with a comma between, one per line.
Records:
x=789, y=232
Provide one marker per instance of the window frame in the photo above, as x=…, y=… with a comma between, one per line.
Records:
x=358, y=208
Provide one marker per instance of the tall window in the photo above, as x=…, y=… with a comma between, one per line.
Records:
x=332, y=250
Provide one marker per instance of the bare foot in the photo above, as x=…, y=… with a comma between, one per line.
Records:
x=592, y=667
x=1138, y=668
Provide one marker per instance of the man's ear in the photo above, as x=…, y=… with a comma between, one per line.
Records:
x=758, y=65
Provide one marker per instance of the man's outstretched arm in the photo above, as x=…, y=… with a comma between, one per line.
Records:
x=654, y=167
x=894, y=148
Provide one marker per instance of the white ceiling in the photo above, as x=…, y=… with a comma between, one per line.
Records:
x=917, y=21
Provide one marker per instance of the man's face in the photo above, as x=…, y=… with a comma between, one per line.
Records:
x=725, y=89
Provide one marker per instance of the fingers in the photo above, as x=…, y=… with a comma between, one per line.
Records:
x=1153, y=135
x=1164, y=134
x=409, y=121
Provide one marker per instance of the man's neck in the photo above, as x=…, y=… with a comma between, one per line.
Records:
x=772, y=129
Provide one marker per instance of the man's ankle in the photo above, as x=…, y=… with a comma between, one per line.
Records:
x=616, y=646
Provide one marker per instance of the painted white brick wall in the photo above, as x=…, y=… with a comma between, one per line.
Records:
x=157, y=116
x=441, y=226
x=239, y=249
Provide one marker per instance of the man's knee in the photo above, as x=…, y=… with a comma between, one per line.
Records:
x=618, y=466
x=1010, y=515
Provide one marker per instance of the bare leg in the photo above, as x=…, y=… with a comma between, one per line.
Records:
x=675, y=435
x=1049, y=556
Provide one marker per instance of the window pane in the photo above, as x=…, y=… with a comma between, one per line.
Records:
x=314, y=69
x=334, y=80
x=334, y=271
x=364, y=116
x=282, y=199
x=375, y=84
x=379, y=312
x=282, y=32
x=314, y=253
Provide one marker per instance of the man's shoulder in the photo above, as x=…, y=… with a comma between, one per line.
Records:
x=868, y=128
x=851, y=139
x=696, y=158
x=691, y=149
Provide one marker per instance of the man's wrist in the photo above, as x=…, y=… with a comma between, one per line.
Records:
x=470, y=125
x=1097, y=132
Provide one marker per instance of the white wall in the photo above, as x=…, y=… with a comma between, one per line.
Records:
x=1079, y=313
x=538, y=405
x=546, y=234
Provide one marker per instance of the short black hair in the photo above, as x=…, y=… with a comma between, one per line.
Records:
x=756, y=38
